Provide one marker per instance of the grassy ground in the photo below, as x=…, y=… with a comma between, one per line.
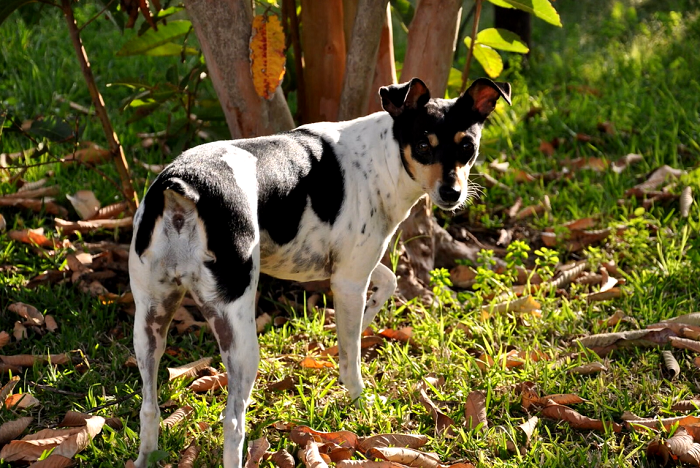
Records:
x=632, y=64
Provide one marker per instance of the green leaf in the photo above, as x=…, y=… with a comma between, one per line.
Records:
x=489, y=59
x=502, y=39
x=404, y=9
x=152, y=39
x=52, y=128
x=543, y=9
x=8, y=6
x=170, y=48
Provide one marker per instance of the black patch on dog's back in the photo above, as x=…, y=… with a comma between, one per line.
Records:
x=292, y=169
x=221, y=205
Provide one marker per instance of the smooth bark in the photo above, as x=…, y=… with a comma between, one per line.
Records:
x=385, y=70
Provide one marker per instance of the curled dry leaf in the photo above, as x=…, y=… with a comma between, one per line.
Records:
x=626, y=161
x=689, y=319
x=188, y=370
x=444, y=425
x=686, y=201
x=28, y=360
x=586, y=369
x=32, y=236
x=610, y=341
x=177, y=416
x=310, y=363
x=283, y=459
x=656, y=178
x=68, y=227
x=37, y=205
x=28, y=313
x=256, y=450
x=576, y=419
x=282, y=385
x=19, y=331
x=210, y=382
x=612, y=293
x=50, y=323
x=529, y=394
x=655, y=423
x=393, y=440
x=684, y=343
x=312, y=457
x=189, y=456
x=686, y=405
x=4, y=338
x=12, y=429
x=613, y=320
x=671, y=364
x=404, y=456
x=403, y=334
x=110, y=211
x=20, y=400
x=528, y=427
x=300, y=435
x=566, y=275
x=85, y=203
x=475, y=410
x=8, y=387
x=563, y=399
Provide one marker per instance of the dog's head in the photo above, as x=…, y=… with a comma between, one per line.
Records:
x=439, y=138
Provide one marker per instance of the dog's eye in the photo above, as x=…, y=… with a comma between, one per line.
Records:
x=422, y=146
x=468, y=147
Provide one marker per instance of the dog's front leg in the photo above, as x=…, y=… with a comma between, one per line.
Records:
x=384, y=285
x=349, y=301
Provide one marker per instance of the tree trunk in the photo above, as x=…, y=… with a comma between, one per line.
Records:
x=431, y=42
x=323, y=42
x=349, y=15
x=223, y=28
x=362, y=58
x=385, y=70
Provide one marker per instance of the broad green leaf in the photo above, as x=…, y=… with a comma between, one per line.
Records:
x=52, y=128
x=8, y=6
x=489, y=59
x=502, y=39
x=543, y=9
x=152, y=39
x=145, y=26
x=170, y=48
x=404, y=9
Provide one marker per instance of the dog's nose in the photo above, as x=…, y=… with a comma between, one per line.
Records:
x=449, y=193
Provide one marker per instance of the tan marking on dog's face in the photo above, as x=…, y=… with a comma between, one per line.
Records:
x=462, y=176
x=427, y=175
x=433, y=140
x=459, y=136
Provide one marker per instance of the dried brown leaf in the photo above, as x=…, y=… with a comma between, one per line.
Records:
x=8, y=387
x=624, y=162
x=686, y=201
x=671, y=364
x=630, y=338
x=528, y=427
x=68, y=227
x=177, y=416
x=475, y=410
x=28, y=360
x=263, y=321
x=586, y=369
x=85, y=203
x=612, y=293
x=28, y=313
x=613, y=320
x=19, y=331
x=13, y=429
x=576, y=419
x=686, y=405
x=4, y=338
x=50, y=323
x=367, y=464
x=311, y=456
x=393, y=440
x=53, y=461
x=656, y=178
x=404, y=456
x=256, y=450
x=300, y=435
x=20, y=400
x=37, y=205
x=283, y=459
x=282, y=385
x=310, y=363
x=188, y=370
x=655, y=423
x=462, y=276
x=563, y=399
x=78, y=442
x=210, y=382
x=685, y=343
x=444, y=425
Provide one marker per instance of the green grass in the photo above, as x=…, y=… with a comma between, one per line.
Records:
x=641, y=61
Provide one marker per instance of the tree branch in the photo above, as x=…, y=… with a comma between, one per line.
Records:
x=470, y=53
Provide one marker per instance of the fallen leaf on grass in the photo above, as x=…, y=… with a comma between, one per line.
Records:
x=593, y=163
x=91, y=153
x=365, y=342
x=282, y=459
x=85, y=203
x=20, y=400
x=682, y=446
x=656, y=178
x=32, y=236
x=177, y=416
x=655, y=423
x=624, y=162
x=12, y=429
x=686, y=405
x=462, y=276
x=686, y=201
x=613, y=320
x=612, y=293
x=310, y=363
x=404, y=456
x=27, y=312
x=576, y=419
x=603, y=343
x=188, y=370
x=586, y=369
x=367, y=464
x=28, y=360
x=4, y=338
x=444, y=425
x=684, y=343
x=68, y=227
x=402, y=334
x=189, y=456
x=256, y=450
x=563, y=399
x=19, y=331
x=523, y=305
x=210, y=382
x=263, y=321
x=37, y=205
x=300, y=435
x=312, y=457
x=50, y=323
x=671, y=364
x=475, y=410
x=533, y=210
x=8, y=387
x=528, y=427
x=393, y=440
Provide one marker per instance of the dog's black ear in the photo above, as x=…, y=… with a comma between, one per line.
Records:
x=485, y=93
x=411, y=95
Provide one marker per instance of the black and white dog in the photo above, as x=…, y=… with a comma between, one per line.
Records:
x=318, y=202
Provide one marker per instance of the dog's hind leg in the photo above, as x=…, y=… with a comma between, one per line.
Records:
x=384, y=285
x=155, y=308
x=233, y=324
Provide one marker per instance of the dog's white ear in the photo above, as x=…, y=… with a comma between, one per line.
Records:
x=485, y=93
x=411, y=95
